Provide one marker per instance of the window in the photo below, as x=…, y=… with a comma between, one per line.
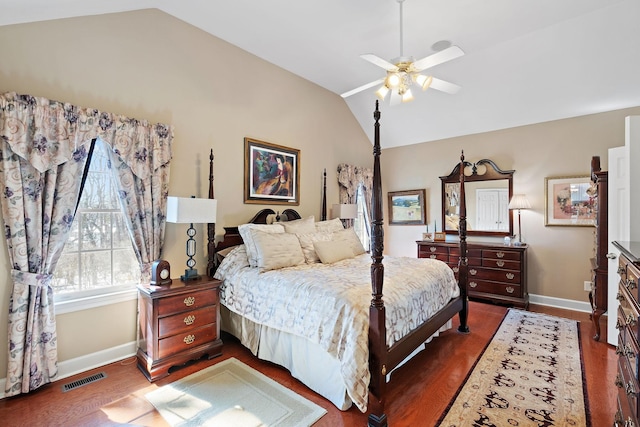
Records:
x=361, y=223
x=98, y=257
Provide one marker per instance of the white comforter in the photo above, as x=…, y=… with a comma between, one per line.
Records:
x=329, y=303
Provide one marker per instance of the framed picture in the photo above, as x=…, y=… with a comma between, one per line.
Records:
x=407, y=207
x=569, y=200
x=271, y=173
x=439, y=236
x=427, y=237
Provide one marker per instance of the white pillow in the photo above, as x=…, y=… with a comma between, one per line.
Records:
x=247, y=237
x=305, y=225
x=329, y=226
x=306, y=243
x=349, y=237
x=333, y=251
x=277, y=250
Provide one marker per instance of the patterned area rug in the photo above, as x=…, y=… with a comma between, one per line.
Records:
x=530, y=374
x=232, y=394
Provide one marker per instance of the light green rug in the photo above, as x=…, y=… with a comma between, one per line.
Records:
x=231, y=393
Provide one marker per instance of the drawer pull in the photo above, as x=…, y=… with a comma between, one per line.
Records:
x=473, y=272
x=510, y=289
x=631, y=284
x=618, y=382
x=189, y=301
x=432, y=256
x=189, y=339
x=432, y=249
x=456, y=269
x=619, y=297
x=472, y=284
x=189, y=319
x=631, y=320
x=629, y=389
x=619, y=351
x=620, y=270
x=628, y=351
x=619, y=324
x=500, y=254
x=500, y=263
x=510, y=276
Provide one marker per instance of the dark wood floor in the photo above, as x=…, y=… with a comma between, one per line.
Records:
x=418, y=392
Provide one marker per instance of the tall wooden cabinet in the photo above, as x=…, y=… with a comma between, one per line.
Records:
x=598, y=297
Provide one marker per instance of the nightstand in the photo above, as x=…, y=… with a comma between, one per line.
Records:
x=178, y=322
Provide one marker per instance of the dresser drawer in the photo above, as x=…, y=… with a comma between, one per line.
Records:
x=627, y=385
x=628, y=348
x=171, y=325
x=186, y=340
x=476, y=262
x=471, y=253
x=631, y=281
x=496, y=288
x=506, y=276
x=500, y=254
x=186, y=301
x=425, y=251
x=500, y=263
x=628, y=315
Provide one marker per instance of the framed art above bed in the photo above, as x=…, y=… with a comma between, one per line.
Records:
x=271, y=173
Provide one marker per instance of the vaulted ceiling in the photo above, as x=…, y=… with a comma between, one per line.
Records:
x=526, y=61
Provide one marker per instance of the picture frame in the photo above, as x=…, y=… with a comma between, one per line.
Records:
x=271, y=173
x=407, y=207
x=569, y=201
x=439, y=236
x=427, y=237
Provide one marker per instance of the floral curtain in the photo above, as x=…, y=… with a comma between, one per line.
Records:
x=349, y=179
x=44, y=153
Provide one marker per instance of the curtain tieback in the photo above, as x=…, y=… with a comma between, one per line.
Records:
x=31, y=279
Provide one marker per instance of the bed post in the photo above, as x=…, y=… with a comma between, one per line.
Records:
x=377, y=325
x=323, y=215
x=463, y=264
x=211, y=227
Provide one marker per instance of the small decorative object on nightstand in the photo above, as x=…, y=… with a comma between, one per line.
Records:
x=178, y=323
x=160, y=272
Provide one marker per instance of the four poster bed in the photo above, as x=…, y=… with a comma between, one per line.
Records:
x=296, y=293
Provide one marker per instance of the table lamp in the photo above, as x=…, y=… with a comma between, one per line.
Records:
x=519, y=202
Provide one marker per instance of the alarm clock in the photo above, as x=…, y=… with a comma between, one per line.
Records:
x=160, y=272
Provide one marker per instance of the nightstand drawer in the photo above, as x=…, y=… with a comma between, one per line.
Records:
x=186, y=340
x=507, y=276
x=188, y=320
x=188, y=301
x=488, y=287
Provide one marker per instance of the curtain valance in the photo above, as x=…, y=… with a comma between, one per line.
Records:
x=46, y=133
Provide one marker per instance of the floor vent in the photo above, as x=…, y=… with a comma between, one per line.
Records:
x=83, y=381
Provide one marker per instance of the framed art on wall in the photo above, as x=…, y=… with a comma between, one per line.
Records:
x=407, y=207
x=271, y=173
x=569, y=201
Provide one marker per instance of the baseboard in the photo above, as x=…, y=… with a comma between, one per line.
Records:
x=87, y=362
x=566, y=304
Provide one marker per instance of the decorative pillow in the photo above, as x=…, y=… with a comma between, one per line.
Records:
x=306, y=243
x=329, y=226
x=247, y=237
x=349, y=237
x=305, y=225
x=333, y=251
x=277, y=250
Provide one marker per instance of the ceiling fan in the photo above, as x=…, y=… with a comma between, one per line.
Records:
x=404, y=71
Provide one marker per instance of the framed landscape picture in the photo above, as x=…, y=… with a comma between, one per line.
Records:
x=271, y=173
x=569, y=200
x=407, y=207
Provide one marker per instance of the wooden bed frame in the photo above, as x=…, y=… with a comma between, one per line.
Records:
x=382, y=359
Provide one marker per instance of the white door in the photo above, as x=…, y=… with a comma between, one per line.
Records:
x=492, y=209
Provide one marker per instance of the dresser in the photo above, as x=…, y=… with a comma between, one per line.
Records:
x=497, y=273
x=178, y=322
x=628, y=335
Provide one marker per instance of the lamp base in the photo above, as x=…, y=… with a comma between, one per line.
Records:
x=190, y=274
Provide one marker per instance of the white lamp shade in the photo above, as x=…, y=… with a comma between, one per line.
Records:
x=345, y=211
x=191, y=210
x=519, y=201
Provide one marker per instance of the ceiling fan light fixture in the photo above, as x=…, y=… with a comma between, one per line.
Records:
x=382, y=92
x=423, y=81
x=407, y=96
x=393, y=80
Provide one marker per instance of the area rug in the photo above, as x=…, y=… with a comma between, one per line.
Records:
x=231, y=393
x=530, y=374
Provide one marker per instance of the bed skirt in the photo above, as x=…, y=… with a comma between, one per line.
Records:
x=298, y=355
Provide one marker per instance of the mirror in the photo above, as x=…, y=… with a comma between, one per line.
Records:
x=488, y=190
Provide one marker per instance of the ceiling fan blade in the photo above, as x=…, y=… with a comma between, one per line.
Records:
x=445, y=87
x=445, y=55
x=361, y=88
x=376, y=60
x=395, y=98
